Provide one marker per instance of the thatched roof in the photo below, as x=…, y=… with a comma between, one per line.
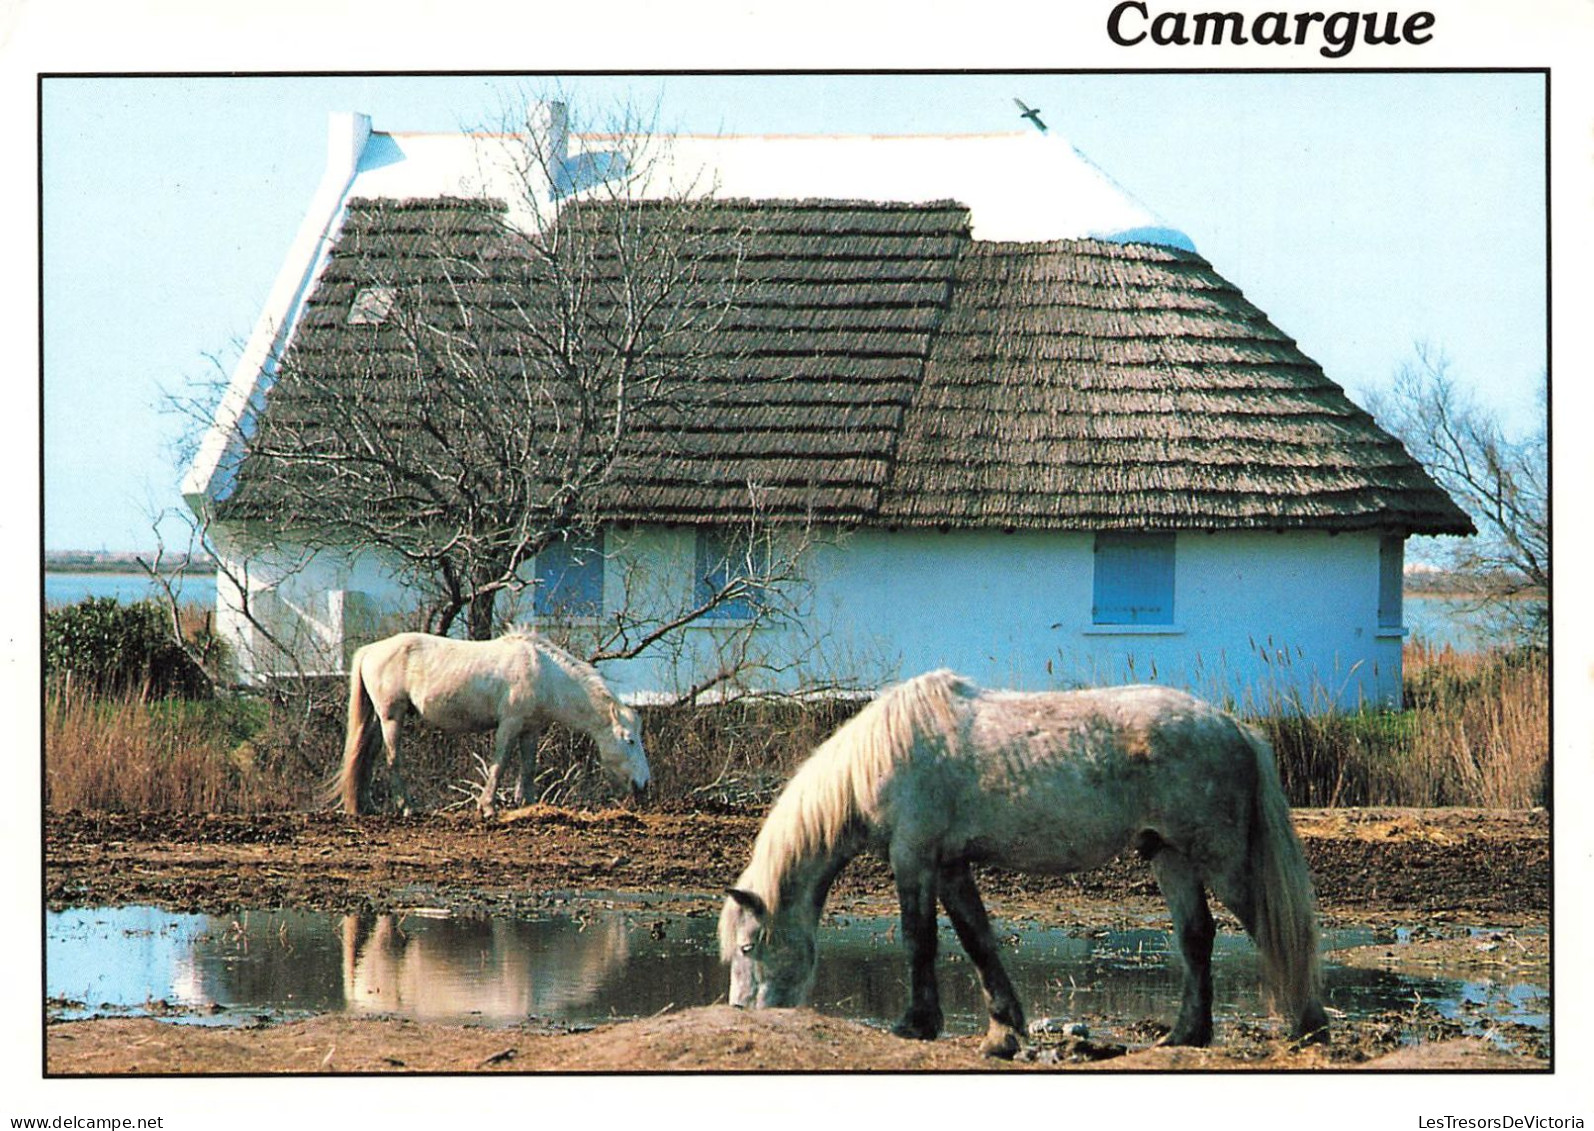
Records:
x=883, y=368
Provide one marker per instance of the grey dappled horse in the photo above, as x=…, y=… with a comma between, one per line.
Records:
x=938, y=775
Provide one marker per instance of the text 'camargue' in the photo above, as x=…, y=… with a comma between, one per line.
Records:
x=1132, y=22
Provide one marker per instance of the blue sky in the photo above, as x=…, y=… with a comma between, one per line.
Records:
x=1362, y=212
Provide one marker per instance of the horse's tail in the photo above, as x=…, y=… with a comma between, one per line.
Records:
x=359, y=741
x=1285, y=929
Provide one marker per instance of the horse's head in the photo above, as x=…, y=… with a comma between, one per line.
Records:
x=620, y=747
x=772, y=956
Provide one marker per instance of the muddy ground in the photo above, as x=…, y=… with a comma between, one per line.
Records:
x=1437, y=872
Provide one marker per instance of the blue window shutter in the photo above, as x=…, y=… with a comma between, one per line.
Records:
x=721, y=558
x=569, y=579
x=1133, y=579
x=1391, y=581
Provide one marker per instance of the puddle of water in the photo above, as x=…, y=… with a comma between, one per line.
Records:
x=593, y=965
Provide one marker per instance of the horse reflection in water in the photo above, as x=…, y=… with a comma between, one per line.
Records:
x=437, y=970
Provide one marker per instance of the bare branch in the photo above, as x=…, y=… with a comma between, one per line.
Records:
x=1500, y=480
x=511, y=361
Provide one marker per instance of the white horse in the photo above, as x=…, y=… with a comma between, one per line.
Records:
x=514, y=686
x=938, y=775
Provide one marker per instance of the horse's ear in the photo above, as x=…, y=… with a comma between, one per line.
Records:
x=748, y=901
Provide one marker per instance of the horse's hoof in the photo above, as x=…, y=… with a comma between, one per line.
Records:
x=917, y=1028
x=1318, y=1036
x=1313, y=1027
x=1002, y=1045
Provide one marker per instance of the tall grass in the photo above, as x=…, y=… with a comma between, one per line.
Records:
x=1474, y=731
x=135, y=753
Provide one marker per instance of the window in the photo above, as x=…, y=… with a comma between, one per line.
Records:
x=1391, y=580
x=723, y=558
x=569, y=579
x=1133, y=579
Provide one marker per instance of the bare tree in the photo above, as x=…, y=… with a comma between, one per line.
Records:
x=1503, y=482
x=505, y=379
x=516, y=362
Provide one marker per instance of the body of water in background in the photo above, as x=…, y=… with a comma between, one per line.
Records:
x=1449, y=621
x=128, y=588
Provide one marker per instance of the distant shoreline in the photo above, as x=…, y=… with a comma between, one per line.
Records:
x=82, y=561
x=1460, y=593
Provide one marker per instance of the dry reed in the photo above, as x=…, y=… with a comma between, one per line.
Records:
x=132, y=753
x=1475, y=731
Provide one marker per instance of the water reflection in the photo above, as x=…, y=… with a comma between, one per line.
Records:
x=633, y=961
x=426, y=966
x=491, y=969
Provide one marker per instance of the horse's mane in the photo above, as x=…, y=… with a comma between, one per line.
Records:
x=578, y=669
x=838, y=787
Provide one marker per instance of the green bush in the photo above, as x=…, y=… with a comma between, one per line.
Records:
x=109, y=648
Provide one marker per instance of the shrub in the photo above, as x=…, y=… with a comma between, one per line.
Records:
x=103, y=646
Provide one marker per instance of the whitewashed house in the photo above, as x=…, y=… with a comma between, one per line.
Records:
x=1041, y=440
